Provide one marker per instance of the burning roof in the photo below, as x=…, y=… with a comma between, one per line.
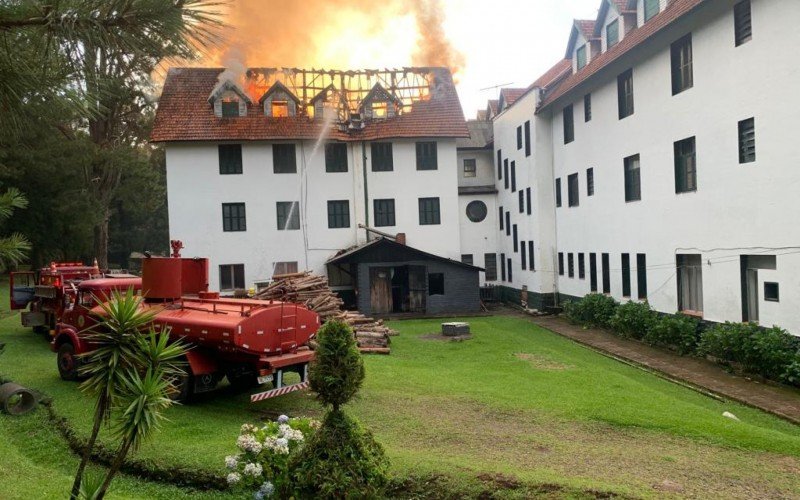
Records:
x=425, y=98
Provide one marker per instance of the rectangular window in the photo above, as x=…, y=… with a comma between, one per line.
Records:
x=587, y=107
x=503, y=266
x=336, y=157
x=284, y=159
x=508, y=266
x=633, y=180
x=280, y=109
x=593, y=272
x=470, y=168
x=499, y=165
x=572, y=190
x=426, y=156
x=625, y=94
x=580, y=57
x=590, y=181
x=626, y=275
x=519, y=137
x=685, y=166
x=569, y=125
x=466, y=258
x=571, y=265
x=230, y=159
x=523, y=261
x=230, y=109
x=280, y=268
x=382, y=157
x=429, y=211
x=513, y=176
x=528, y=200
x=747, y=140
x=561, y=263
x=742, y=22
x=501, y=218
x=641, y=276
x=515, y=236
x=650, y=9
x=681, y=57
x=771, y=291
x=288, y=215
x=558, y=192
x=508, y=223
x=384, y=212
x=231, y=277
x=521, y=194
x=604, y=261
x=612, y=33
x=531, y=260
x=233, y=217
x=505, y=172
x=690, y=282
x=338, y=214
x=528, y=138
x=581, y=266
x=490, y=266
x=435, y=283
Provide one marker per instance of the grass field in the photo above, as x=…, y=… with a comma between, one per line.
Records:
x=516, y=401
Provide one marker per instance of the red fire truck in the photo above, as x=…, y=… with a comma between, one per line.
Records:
x=49, y=292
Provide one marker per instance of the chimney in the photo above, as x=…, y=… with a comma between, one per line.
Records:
x=400, y=238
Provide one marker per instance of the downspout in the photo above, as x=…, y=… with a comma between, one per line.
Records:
x=366, y=187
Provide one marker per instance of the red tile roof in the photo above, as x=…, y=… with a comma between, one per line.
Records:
x=675, y=10
x=184, y=114
x=509, y=95
x=586, y=27
x=559, y=70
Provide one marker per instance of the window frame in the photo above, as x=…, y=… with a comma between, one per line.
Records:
x=385, y=208
x=647, y=9
x=528, y=207
x=427, y=155
x=772, y=297
x=287, y=215
x=625, y=95
x=513, y=176
x=229, y=108
x=592, y=272
x=490, y=267
x=561, y=263
x=605, y=264
x=381, y=156
x=335, y=161
x=240, y=218
x=689, y=268
x=571, y=265
x=587, y=107
x=471, y=172
x=519, y=137
x=590, y=181
x=284, y=152
x=633, y=178
x=681, y=64
x=641, y=276
x=338, y=214
x=625, y=259
x=747, y=152
x=527, y=131
x=581, y=59
x=568, y=119
x=230, y=159
x=438, y=280
x=614, y=23
x=485, y=209
x=429, y=211
x=531, y=259
x=558, y=192
x=685, y=165
x=235, y=271
x=581, y=266
x=742, y=23
x=573, y=190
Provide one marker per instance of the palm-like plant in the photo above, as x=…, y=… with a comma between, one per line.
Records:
x=15, y=247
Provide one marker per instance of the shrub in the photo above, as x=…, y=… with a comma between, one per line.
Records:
x=338, y=370
x=594, y=309
x=792, y=373
x=633, y=319
x=675, y=331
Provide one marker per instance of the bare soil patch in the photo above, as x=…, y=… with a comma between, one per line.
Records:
x=541, y=362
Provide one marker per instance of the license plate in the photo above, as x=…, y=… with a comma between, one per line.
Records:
x=265, y=379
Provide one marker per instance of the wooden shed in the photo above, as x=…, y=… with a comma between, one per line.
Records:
x=388, y=278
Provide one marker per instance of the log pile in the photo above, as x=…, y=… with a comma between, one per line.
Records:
x=313, y=292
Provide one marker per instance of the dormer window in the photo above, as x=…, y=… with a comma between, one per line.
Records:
x=651, y=8
x=380, y=109
x=280, y=109
x=228, y=100
x=230, y=108
x=612, y=34
x=580, y=57
x=279, y=101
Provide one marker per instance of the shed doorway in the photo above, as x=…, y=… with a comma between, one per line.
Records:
x=397, y=289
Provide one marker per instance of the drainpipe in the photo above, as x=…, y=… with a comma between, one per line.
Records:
x=366, y=187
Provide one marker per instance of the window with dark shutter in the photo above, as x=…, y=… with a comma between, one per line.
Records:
x=606, y=273
x=382, y=157
x=338, y=214
x=466, y=258
x=581, y=266
x=681, y=57
x=641, y=276
x=427, y=158
x=508, y=223
x=503, y=266
x=590, y=181
x=233, y=217
x=747, y=140
x=230, y=159
x=650, y=9
x=569, y=124
x=516, y=241
x=284, y=160
x=519, y=137
x=523, y=261
x=587, y=107
x=633, y=182
x=508, y=266
x=384, y=212
x=336, y=157
x=429, y=211
x=580, y=57
x=501, y=218
x=612, y=33
x=521, y=194
x=561, y=263
x=513, y=176
x=528, y=200
x=470, y=167
x=499, y=165
x=593, y=272
x=531, y=260
x=625, y=94
x=571, y=265
x=573, y=193
x=626, y=275
x=685, y=166
x=490, y=266
x=742, y=22
x=558, y=192
x=231, y=277
x=505, y=172
x=288, y=215
x=527, y=138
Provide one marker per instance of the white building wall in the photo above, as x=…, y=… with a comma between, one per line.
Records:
x=478, y=238
x=737, y=208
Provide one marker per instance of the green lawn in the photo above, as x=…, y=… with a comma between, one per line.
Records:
x=514, y=401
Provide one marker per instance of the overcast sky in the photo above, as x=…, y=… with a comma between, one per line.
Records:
x=509, y=41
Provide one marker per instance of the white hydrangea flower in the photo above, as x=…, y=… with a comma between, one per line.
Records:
x=267, y=489
x=234, y=477
x=282, y=446
x=248, y=442
x=231, y=461
x=283, y=419
x=258, y=495
x=253, y=469
x=248, y=429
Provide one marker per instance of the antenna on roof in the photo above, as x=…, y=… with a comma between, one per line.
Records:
x=497, y=86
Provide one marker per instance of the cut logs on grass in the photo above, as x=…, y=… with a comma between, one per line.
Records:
x=313, y=292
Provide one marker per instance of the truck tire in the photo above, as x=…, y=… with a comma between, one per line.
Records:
x=67, y=362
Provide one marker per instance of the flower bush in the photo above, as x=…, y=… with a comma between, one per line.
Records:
x=262, y=464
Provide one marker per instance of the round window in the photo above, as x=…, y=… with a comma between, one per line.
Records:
x=476, y=211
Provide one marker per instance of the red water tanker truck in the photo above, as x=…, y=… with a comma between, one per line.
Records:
x=250, y=342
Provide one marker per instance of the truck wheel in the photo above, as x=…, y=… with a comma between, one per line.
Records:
x=67, y=362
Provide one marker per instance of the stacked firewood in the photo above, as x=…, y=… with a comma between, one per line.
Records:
x=313, y=292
